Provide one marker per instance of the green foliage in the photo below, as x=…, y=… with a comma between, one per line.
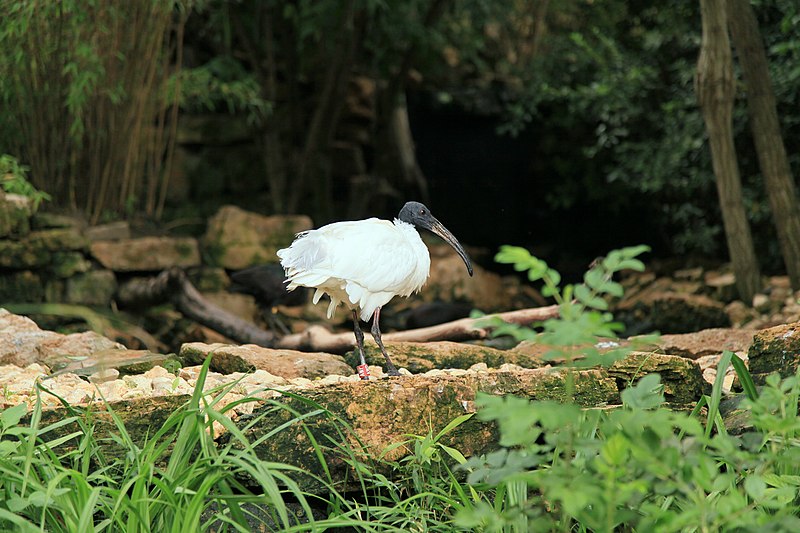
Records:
x=639, y=468
x=82, y=87
x=584, y=319
x=615, y=78
x=177, y=480
x=221, y=84
x=14, y=180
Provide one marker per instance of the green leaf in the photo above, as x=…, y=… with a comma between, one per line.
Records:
x=646, y=394
x=585, y=296
x=615, y=450
x=16, y=504
x=512, y=254
x=455, y=454
x=745, y=378
x=11, y=416
x=755, y=487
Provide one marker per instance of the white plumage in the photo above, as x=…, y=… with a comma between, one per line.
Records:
x=366, y=263
x=347, y=261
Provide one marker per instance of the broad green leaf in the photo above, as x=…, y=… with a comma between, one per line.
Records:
x=11, y=416
x=755, y=486
x=585, y=296
x=647, y=393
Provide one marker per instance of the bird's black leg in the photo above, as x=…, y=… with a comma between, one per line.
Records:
x=359, y=341
x=376, y=334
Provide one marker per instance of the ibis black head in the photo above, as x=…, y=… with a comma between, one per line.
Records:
x=419, y=215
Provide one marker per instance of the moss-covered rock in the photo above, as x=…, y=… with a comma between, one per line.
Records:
x=66, y=264
x=15, y=213
x=96, y=287
x=147, y=254
x=420, y=357
x=23, y=254
x=228, y=359
x=384, y=412
x=22, y=287
x=775, y=350
x=237, y=239
x=682, y=378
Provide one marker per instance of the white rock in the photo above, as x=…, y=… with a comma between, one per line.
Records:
x=189, y=372
x=113, y=390
x=479, y=367
x=158, y=372
x=300, y=382
x=102, y=376
x=138, y=382
x=133, y=394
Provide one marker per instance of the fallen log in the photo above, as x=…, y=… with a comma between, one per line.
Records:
x=319, y=339
x=173, y=286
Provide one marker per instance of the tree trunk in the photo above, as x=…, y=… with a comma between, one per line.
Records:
x=714, y=86
x=766, y=133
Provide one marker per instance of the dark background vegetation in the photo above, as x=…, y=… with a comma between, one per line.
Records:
x=568, y=127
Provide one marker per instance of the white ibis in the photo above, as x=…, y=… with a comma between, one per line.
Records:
x=366, y=263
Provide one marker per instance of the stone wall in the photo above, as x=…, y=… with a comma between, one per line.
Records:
x=59, y=259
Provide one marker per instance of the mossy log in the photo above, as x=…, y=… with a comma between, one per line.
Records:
x=173, y=286
x=319, y=339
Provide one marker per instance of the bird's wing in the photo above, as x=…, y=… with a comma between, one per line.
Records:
x=371, y=253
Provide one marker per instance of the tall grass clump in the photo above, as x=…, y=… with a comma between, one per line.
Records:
x=177, y=479
x=83, y=88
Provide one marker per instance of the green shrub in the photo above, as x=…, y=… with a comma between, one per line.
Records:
x=13, y=177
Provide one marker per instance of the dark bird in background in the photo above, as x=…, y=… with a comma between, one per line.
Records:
x=267, y=283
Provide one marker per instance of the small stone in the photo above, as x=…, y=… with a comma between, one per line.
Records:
x=102, y=376
x=689, y=274
x=138, y=382
x=246, y=408
x=301, y=382
x=738, y=313
x=330, y=380
x=761, y=302
x=158, y=372
x=510, y=367
x=189, y=372
x=263, y=377
x=727, y=382
x=405, y=372
x=479, y=367
x=113, y=391
x=133, y=394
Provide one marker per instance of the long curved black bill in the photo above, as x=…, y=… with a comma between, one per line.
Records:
x=439, y=229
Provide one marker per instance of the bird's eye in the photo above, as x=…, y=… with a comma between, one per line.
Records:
x=421, y=211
